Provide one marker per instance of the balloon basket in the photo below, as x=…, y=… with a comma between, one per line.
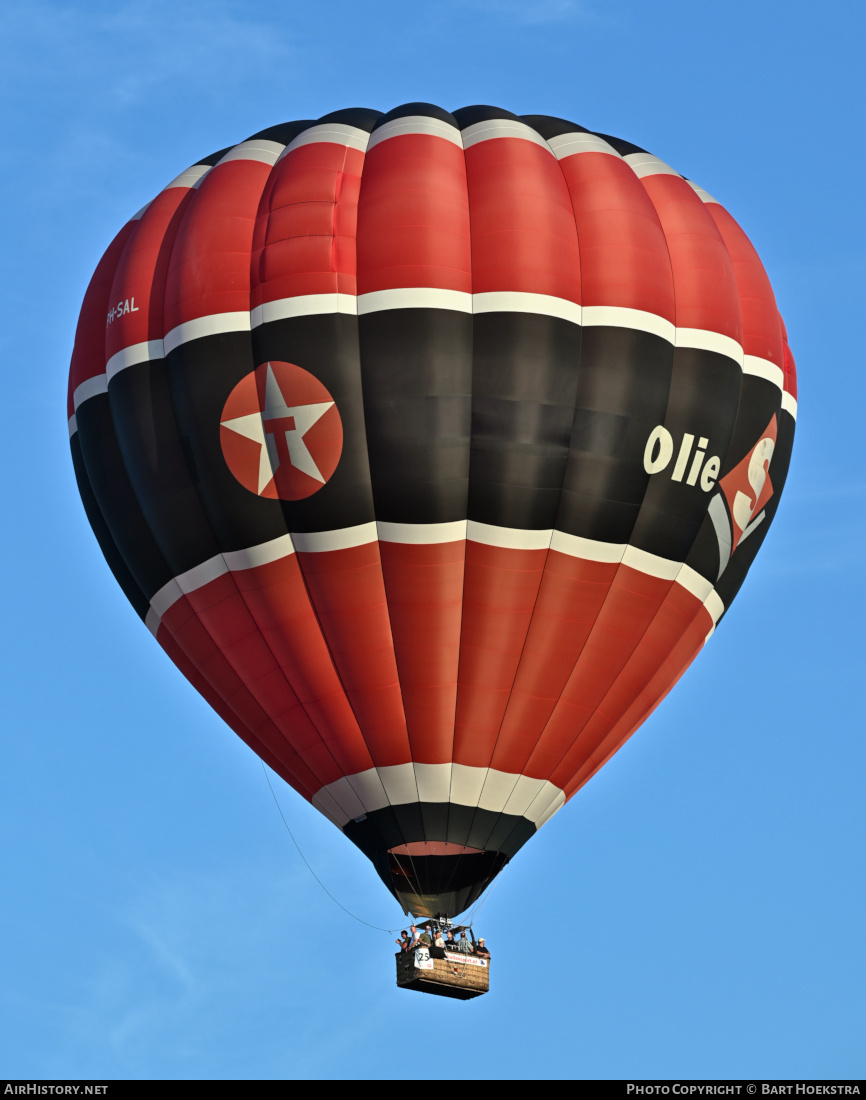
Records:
x=455, y=975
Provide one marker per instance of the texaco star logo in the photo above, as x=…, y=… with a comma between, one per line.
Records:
x=281, y=432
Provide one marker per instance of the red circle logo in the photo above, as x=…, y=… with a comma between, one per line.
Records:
x=281, y=432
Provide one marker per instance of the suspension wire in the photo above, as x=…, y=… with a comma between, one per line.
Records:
x=377, y=928
x=479, y=905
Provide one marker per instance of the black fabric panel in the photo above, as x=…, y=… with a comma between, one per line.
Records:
x=103, y=535
x=362, y=118
x=157, y=465
x=380, y=830
x=623, y=388
x=481, y=112
x=204, y=372
x=417, y=379
x=550, y=127
x=113, y=493
x=449, y=884
x=427, y=110
x=435, y=874
x=524, y=386
x=285, y=131
x=434, y=818
x=201, y=374
x=472, y=826
x=392, y=826
x=704, y=398
x=704, y=554
x=327, y=346
x=508, y=834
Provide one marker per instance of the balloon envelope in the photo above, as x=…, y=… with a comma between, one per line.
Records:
x=431, y=448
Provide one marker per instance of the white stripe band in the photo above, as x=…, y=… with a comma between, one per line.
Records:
x=73, y=426
x=337, y=133
x=260, y=149
x=404, y=784
x=416, y=124
x=263, y=554
x=212, y=325
x=501, y=128
x=321, y=542
x=715, y=607
x=513, y=301
x=789, y=403
x=503, y=301
x=435, y=298
x=622, y=317
x=507, y=538
x=702, y=194
x=645, y=164
x=421, y=534
x=305, y=305
x=418, y=297
x=190, y=178
x=426, y=534
x=693, y=582
x=90, y=387
x=763, y=368
x=567, y=145
x=576, y=547
x=506, y=301
x=132, y=356
x=705, y=340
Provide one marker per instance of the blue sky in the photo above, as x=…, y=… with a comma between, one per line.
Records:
x=705, y=891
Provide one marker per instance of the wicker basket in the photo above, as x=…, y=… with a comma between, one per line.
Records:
x=460, y=976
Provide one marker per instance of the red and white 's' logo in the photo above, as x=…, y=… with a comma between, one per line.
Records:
x=747, y=487
x=746, y=490
x=281, y=432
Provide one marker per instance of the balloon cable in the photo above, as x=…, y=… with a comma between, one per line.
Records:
x=310, y=869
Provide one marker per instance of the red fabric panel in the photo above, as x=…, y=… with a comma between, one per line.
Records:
x=790, y=365
x=277, y=599
x=195, y=653
x=88, y=354
x=413, y=216
x=624, y=260
x=210, y=264
x=204, y=650
x=631, y=605
x=348, y=594
x=651, y=675
x=222, y=613
x=501, y=587
x=425, y=603
x=570, y=598
x=704, y=284
x=523, y=233
x=304, y=240
x=762, y=332
x=138, y=289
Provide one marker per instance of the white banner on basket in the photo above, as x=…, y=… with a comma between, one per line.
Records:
x=459, y=957
x=422, y=959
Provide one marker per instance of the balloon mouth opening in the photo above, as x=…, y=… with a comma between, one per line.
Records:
x=441, y=884
x=434, y=848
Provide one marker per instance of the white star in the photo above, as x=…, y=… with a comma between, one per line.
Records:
x=279, y=430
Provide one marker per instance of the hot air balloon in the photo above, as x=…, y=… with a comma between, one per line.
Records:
x=431, y=448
